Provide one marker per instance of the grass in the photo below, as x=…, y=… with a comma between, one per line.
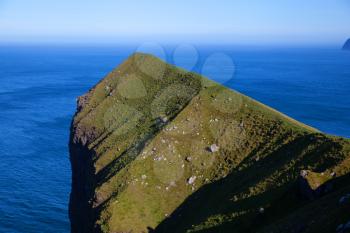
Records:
x=143, y=165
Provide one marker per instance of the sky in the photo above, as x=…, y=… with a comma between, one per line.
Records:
x=206, y=21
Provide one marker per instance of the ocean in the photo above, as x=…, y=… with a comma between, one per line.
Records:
x=39, y=86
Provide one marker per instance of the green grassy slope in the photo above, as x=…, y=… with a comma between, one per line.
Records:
x=149, y=127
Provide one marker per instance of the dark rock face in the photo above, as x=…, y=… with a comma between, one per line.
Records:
x=81, y=198
x=80, y=214
x=347, y=45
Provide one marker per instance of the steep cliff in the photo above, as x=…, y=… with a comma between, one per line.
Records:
x=156, y=148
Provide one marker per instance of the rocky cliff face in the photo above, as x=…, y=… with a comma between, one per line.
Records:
x=157, y=149
x=81, y=211
x=347, y=45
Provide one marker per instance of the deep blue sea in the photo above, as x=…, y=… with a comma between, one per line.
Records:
x=39, y=85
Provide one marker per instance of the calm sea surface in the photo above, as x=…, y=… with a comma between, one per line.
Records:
x=39, y=85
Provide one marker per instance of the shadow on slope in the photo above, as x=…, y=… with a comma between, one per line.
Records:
x=233, y=204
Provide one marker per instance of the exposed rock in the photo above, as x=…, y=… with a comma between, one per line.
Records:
x=241, y=124
x=191, y=180
x=164, y=119
x=213, y=148
x=82, y=101
x=81, y=205
x=303, y=173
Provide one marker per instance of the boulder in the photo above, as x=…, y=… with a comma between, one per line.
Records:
x=213, y=148
x=191, y=180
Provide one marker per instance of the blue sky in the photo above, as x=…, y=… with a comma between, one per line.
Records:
x=225, y=21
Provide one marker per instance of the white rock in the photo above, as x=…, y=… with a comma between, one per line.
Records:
x=191, y=180
x=303, y=173
x=214, y=148
x=157, y=159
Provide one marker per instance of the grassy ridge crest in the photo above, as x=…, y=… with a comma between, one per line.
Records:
x=175, y=152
